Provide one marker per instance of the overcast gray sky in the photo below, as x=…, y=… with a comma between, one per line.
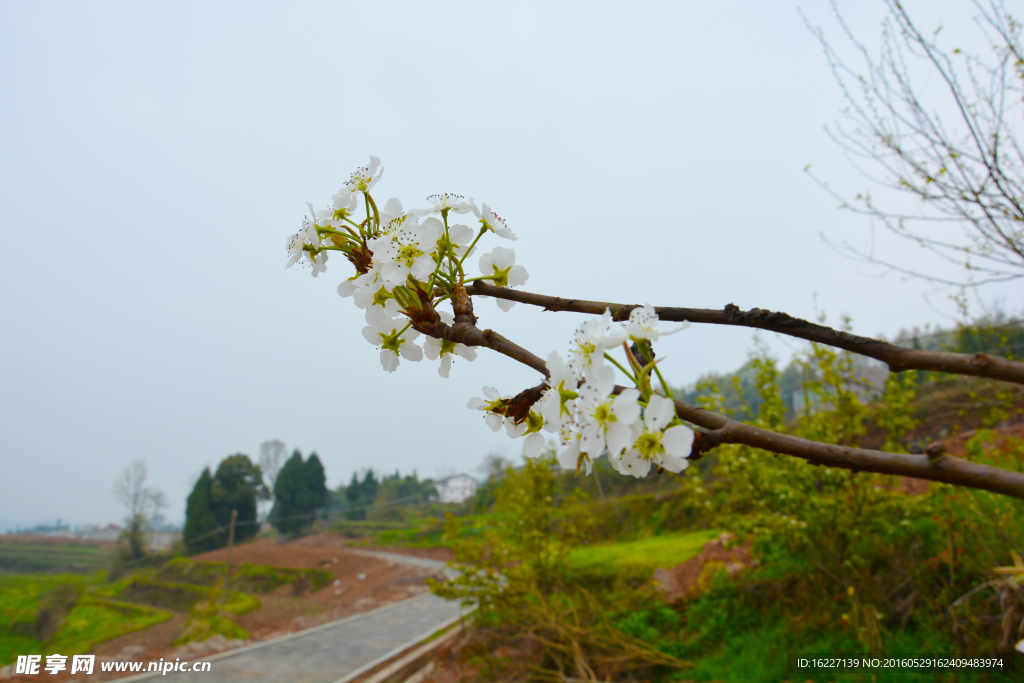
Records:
x=155, y=156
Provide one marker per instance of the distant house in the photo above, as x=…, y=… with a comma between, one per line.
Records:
x=457, y=488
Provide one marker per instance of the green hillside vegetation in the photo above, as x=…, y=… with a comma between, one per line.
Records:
x=41, y=611
x=847, y=562
x=252, y=578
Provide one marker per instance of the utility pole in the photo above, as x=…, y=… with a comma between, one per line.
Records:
x=227, y=565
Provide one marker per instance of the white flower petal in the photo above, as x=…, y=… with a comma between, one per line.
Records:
x=394, y=273
x=393, y=208
x=466, y=352
x=533, y=445
x=422, y=267
x=460, y=234
x=569, y=456
x=602, y=377
x=634, y=464
x=619, y=437
x=378, y=319
x=517, y=275
x=491, y=393
x=411, y=351
x=487, y=263
x=347, y=288
x=494, y=421
x=371, y=335
x=593, y=440
x=505, y=304
x=515, y=430
x=673, y=463
x=625, y=406
x=659, y=413
x=678, y=441
x=503, y=257
x=432, y=348
x=389, y=360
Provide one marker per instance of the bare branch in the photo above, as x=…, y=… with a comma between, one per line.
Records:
x=970, y=173
x=896, y=357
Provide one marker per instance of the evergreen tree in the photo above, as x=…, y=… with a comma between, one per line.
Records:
x=351, y=499
x=287, y=489
x=236, y=485
x=368, y=490
x=300, y=490
x=316, y=484
x=199, y=517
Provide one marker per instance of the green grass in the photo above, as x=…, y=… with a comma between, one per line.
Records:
x=177, y=596
x=643, y=556
x=95, y=620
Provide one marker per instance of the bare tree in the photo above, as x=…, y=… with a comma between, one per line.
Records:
x=958, y=151
x=272, y=456
x=141, y=502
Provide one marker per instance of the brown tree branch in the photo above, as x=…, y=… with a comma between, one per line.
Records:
x=940, y=467
x=464, y=330
x=722, y=430
x=896, y=357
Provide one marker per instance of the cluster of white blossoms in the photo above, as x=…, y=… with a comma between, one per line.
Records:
x=403, y=258
x=637, y=428
x=409, y=262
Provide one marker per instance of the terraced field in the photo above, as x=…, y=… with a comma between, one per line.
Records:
x=52, y=556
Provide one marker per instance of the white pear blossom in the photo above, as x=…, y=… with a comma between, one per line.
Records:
x=459, y=238
x=443, y=202
x=655, y=445
x=591, y=340
x=368, y=290
x=408, y=252
x=299, y=246
x=606, y=421
x=321, y=218
x=499, y=266
x=533, y=445
x=643, y=322
x=391, y=216
x=493, y=401
x=364, y=177
x=355, y=285
x=492, y=221
x=383, y=331
x=569, y=457
x=558, y=404
x=345, y=203
x=444, y=349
